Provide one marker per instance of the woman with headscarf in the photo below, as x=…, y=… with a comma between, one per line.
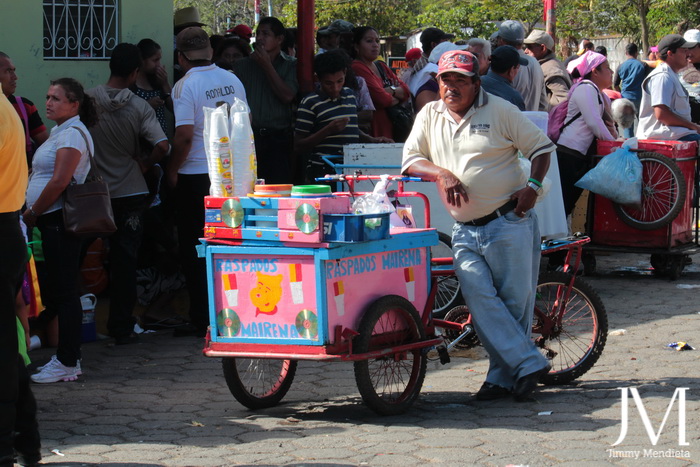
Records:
x=588, y=118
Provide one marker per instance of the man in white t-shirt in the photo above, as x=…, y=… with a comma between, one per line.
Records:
x=204, y=85
x=665, y=109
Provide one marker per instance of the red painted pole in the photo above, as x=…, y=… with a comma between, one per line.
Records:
x=306, y=38
x=550, y=15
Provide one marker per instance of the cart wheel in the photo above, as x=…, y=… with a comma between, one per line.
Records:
x=663, y=194
x=676, y=263
x=258, y=383
x=389, y=384
x=660, y=264
x=460, y=314
x=573, y=338
x=448, y=293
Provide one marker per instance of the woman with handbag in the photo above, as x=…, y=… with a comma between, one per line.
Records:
x=391, y=119
x=63, y=157
x=588, y=118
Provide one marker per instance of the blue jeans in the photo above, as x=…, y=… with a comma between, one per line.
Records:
x=497, y=265
x=690, y=137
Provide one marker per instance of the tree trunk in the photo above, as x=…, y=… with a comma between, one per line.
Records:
x=643, y=8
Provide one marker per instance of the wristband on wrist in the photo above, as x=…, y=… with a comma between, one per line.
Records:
x=536, y=182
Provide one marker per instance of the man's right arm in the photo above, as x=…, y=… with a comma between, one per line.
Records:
x=446, y=181
x=669, y=118
x=617, y=80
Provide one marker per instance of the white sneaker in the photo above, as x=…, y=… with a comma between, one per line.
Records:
x=55, y=371
x=78, y=370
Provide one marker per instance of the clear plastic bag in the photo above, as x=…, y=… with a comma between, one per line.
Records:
x=618, y=177
x=376, y=202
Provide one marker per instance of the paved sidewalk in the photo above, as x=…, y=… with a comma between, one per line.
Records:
x=161, y=403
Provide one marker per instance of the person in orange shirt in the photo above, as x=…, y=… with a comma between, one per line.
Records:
x=18, y=426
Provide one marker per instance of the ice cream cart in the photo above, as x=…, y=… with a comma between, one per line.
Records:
x=303, y=279
x=663, y=224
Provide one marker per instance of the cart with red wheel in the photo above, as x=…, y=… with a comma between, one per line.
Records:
x=664, y=224
x=303, y=279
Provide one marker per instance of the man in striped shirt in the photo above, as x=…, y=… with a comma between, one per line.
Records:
x=327, y=118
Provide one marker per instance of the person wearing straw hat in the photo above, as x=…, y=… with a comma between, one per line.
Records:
x=185, y=18
x=467, y=143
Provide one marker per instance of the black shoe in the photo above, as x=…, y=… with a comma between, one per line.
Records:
x=27, y=460
x=525, y=385
x=489, y=392
x=189, y=330
x=155, y=324
x=127, y=339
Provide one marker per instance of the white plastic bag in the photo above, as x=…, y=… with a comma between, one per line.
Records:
x=618, y=177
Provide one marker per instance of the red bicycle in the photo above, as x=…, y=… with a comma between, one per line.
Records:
x=570, y=324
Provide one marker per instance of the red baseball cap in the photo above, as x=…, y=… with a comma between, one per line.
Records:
x=242, y=31
x=458, y=61
x=414, y=54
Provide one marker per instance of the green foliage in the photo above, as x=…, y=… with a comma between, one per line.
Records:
x=220, y=15
x=465, y=18
x=388, y=17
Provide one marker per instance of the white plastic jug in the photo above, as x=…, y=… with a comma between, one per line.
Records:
x=88, y=303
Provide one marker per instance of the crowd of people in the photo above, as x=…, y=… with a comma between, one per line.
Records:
x=157, y=174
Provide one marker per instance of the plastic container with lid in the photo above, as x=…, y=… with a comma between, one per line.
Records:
x=311, y=191
x=272, y=191
x=269, y=191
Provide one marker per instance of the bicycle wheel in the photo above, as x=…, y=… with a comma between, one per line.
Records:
x=389, y=384
x=663, y=194
x=460, y=314
x=448, y=293
x=258, y=383
x=575, y=344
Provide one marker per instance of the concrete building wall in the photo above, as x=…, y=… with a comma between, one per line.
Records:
x=21, y=23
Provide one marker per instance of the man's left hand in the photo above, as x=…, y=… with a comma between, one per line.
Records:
x=527, y=197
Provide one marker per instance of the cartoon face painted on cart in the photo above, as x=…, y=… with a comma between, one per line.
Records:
x=266, y=294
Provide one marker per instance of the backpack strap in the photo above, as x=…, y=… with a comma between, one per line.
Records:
x=571, y=92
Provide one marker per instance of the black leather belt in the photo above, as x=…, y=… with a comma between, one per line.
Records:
x=509, y=206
